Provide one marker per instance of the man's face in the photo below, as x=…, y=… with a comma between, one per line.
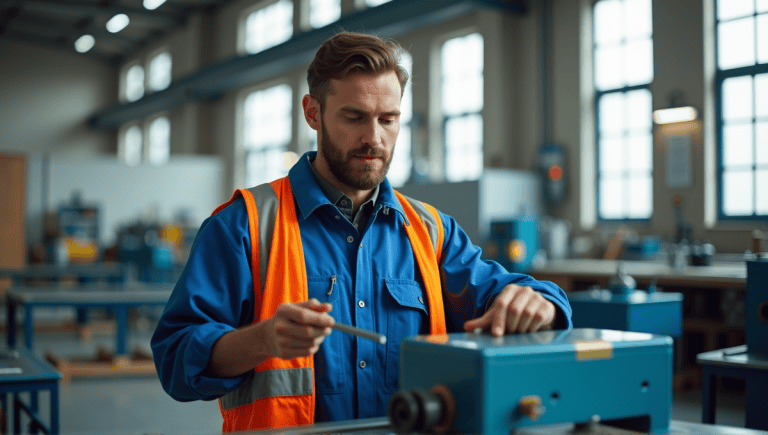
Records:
x=359, y=126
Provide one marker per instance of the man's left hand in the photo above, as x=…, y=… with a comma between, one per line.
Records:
x=516, y=309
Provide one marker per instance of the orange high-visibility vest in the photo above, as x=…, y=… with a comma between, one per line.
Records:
x=281, y=392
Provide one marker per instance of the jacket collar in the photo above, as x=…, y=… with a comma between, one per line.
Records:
x=309, y=195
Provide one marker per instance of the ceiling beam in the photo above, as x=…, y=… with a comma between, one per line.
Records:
x=388, y=20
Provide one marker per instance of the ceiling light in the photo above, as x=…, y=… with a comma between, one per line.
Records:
x=674, y=114
x=153, y=4
x=118, y=23
x=84, y=43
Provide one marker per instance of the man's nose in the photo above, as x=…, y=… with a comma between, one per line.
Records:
x=371, y=135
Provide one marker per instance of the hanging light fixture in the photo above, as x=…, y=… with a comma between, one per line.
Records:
x=84, y=43
x=118, y=23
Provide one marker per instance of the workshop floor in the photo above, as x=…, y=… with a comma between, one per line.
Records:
x=139, y=406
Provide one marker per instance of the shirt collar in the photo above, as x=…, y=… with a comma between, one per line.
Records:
x=310, y=195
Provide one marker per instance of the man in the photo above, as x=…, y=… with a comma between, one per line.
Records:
x=273, y=269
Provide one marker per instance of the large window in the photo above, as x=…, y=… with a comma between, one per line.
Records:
x=130, y=145
x=159, y=141
x=160, y=71
x=322, y=12
x=623, y=55
x=742, y=84
x=267, y=27
x=267, y=133
x=462, y=102
x=400, y=168
x=133, y=83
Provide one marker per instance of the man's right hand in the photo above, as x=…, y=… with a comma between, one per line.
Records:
x=294, y=330
x=299, y=329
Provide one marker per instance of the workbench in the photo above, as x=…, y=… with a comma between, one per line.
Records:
x=739, y=363
x=119, y=299
x=106, y=271
x=21, y=371
x=712, y=316
x=380, y=426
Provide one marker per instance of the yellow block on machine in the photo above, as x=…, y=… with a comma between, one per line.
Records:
x=593, y=349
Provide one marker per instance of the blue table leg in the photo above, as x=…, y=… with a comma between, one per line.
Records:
x=11, y=321
x=4, y=412
x=34, y=405
x=16, y=413
x=28, y=326
x=709, y=396
x=121, y=312
x=55, y=408
x=756, y=387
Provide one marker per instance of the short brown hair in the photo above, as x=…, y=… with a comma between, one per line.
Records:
x=348, y=53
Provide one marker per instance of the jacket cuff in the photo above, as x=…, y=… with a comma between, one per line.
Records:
x=198, y=354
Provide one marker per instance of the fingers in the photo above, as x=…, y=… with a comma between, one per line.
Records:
x=515, y=309
x=300, y=328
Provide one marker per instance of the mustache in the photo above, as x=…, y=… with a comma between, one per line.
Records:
x=368, y=151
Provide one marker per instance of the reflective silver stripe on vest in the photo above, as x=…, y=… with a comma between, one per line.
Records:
x=270, y=383
x=427, y=218
x=266, y=204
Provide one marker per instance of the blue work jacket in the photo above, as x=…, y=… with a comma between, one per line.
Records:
x=377, y=287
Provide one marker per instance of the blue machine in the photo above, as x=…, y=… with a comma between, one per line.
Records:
x=757, y=306
x=513, y=243
x=625, y=308
x=480, y=384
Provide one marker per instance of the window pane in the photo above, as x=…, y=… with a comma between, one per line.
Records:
x=462, y=71
x=264, y=166
x=762, y=193
x=728, y=9
x=637, y=18
x=400, y=168
x=762, y=38
x=608, y=20
x=131, y=152
x=737, y=145
x=761, y=143
x=638, y=62
x=640, y=197
x=464, y=155
x=737, y=98
x=761, y=95
x=611, y=198
x=762, y=6
x=267, y=117
x=640, y=153
x=269, y=26
x=608, y=67
x=737, y=193
x=324, y=12
x=160, y=72
x=159, y=145
x=639, y=111
x=134, y=83
x=612, y=113
x=612, y=156
x=736, y=43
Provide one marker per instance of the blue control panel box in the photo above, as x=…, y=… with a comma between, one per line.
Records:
x=493, y=385
x=639, y=311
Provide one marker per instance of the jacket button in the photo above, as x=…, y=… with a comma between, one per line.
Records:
x=362, y=364
x=361, y=304
x=350, y=239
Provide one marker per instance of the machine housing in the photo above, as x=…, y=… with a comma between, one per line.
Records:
x=625, y=378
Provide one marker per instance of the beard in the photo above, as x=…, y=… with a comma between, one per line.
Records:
x=357, y=176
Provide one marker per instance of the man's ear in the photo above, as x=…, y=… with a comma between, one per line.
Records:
x=311, y=112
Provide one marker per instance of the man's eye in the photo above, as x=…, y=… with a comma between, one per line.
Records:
x=386, y=121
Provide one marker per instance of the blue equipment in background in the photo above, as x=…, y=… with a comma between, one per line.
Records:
x=513, y=243
x=480, y=384
x=757, y=306
x=551, y=168
x=625, y=308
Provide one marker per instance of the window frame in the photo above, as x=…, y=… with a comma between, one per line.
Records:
x=720, y=77
x=598, y=94
x=242, y=23
x=462, y=33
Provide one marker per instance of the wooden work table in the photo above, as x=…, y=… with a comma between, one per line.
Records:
x=713, y=300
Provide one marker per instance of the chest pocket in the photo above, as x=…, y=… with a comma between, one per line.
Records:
x=408, y=316
x=330, y=376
